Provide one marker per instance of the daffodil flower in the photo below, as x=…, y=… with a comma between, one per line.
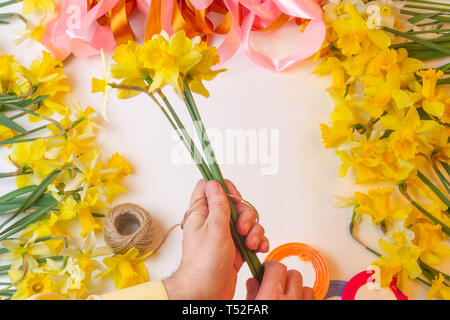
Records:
x=19, y=250
x=439, y=289
x=401, y=261
x=127, y=269
x=377, y=205
x=33, y=283
x=33, y=6
x=85, y=253
x=103, y=84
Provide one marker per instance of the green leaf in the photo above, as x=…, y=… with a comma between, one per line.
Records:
x=4, y=120
x=34, y=196
x=423, y=16
x=16, y=193
x=16, y=139
x=27, y=220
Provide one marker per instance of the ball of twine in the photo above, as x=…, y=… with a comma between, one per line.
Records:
x=118, y=231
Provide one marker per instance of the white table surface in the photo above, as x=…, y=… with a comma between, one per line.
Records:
x=295, y=204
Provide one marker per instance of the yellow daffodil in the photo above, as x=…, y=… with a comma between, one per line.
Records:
x=28, y=249
x=169, y=59
x=429, y=79
x=6, y=133
x=202, y=70
x=47, y=76
x=32, y=6
x=439, y=289
x=129, y=68
x=75, y=284
x=84, y=254
x=440, y=146
x=33, y=30
x=398, y=233
x=429, y=237
x=377, y=205
x=401, y=261
x=334, y=66
x=46, y=227
x=127, y=269
x=380, y=92
x=8, y=74
x=31, y=156
x=408, y=132
x=88, y=222
x=335, y=135
x=352, y=31
x=89, y=166
x=33, y=283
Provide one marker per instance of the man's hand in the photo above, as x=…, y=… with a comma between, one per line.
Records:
x=210, y=260
x=278, y=284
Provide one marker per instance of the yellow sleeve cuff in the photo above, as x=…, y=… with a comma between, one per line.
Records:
x=153, y=290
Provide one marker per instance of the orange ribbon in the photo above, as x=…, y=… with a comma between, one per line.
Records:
x=186, y=17
x=117, y=18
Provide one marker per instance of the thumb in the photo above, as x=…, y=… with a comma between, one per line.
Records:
x=219, y=209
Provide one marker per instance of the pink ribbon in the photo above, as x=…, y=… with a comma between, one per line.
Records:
x=76, y=31
x=309, y=42
x=68, y=33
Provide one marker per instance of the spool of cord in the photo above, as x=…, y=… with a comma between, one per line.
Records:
x=127, y=226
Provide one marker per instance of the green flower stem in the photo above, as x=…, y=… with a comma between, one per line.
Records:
x=443, y=179
x=446, y=167
x=7, y=3
x=445, y=228
x=430, y=185
x=426, y=8
x=351, y=229
x=431, y=16
x=421, y=41
x=14, y=139
x=429, y=31
x=250, y=256
x=432, y=270
x=189, y=143
x=430, y=2
x=13, y=174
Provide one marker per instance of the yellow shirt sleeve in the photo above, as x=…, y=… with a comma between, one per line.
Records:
x=153, y=290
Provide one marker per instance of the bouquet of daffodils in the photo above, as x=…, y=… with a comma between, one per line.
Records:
x=183, y=64
x=390, y=125
x=63, y=185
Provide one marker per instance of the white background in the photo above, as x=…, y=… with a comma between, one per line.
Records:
x=295, y=204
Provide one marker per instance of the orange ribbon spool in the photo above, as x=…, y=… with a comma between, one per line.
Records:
x=307, y=253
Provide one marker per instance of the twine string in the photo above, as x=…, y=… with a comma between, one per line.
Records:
x=120, y=217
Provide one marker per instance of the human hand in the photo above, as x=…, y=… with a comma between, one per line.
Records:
x=210, y=260
x=278, y=284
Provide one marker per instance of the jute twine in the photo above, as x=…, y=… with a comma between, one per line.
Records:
x=121, y=217
x=117, y=233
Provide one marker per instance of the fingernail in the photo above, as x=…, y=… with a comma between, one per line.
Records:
x=212, y=187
